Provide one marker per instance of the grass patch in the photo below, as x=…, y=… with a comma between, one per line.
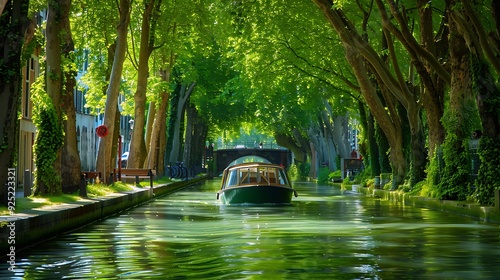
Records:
x=25, y=203
x=44, y=201
x=95, y=190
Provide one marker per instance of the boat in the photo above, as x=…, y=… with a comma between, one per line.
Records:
x=255, y=183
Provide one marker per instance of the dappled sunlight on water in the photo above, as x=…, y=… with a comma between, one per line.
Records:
x=325, y=233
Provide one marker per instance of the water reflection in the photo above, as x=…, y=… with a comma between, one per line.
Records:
x=325, y=233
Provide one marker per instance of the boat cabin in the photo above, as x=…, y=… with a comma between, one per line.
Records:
x=255, y=175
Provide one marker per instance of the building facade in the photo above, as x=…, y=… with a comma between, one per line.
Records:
x=27, y=130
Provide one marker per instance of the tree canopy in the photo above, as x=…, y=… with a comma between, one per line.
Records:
x=412, y=73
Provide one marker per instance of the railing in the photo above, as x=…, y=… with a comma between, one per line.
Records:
x=248, y=145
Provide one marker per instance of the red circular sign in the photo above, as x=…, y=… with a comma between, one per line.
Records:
x=101, y=131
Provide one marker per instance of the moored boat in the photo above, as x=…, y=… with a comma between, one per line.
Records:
x=255, y=183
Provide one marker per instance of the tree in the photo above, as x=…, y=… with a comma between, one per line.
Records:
x=196, y=133
x=49, y=139
x=71, y=164
x=137, y=155
x=104, y=162
x=357, y=52
x=455, y=148
x=169, y=44
x=156, y=146
x=483, y=65
x=292, y=73
x=14, y=22
x=183, y=95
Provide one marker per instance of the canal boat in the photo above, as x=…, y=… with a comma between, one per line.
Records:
x=255, y=183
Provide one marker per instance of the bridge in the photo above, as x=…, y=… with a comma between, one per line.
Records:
x=223, y=157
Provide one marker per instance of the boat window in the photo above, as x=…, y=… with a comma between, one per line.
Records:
x=282, y=178
x=244, y=176
x=263, y=175
x=272, y=176
x=232, y=178
x=247, y=176
x=253, y=175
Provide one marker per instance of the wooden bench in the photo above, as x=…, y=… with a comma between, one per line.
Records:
x=87, y=175
x=137, y=173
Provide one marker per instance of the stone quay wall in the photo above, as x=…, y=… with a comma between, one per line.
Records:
x=36, y=225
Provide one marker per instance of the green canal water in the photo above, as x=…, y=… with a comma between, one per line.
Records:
x=325, y=234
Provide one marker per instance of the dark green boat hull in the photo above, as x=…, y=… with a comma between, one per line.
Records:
x=256, y=195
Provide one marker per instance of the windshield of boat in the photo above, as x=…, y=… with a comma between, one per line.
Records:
x=263, y=175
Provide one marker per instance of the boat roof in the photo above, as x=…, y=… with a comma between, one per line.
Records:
x=254, y=164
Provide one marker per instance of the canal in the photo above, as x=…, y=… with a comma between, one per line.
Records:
x=325, y=234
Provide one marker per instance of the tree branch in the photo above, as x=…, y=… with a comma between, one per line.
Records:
x=483, y=44
x=406, y=36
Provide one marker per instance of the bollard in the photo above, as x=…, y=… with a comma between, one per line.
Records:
x=111, y=178
x=27, y=183
x=83, y=186
x=150, y=174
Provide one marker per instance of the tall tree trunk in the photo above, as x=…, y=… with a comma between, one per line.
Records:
x=199, y=136
x=149, y=124
x=314, y=137
x=340, y=136
x=186, y=154
x=373, y=147
x=488, y=100
x=71, y=164
x=425, y=62
x=190, y=131
x=162, y=152
x=455, y=175
x=418, y=158
x=137, y=153
x=104, y=162
x=368, y=139
x=153, y=133
x=383, y=148
x=392, y=130
x=357, y=53
x=54, y=77
x=330, y=156
x=332, y=153
x=176, y=142
x=114, y=138
x=487, y=94
x=156, y=147
x=433, y=92
x=13, y=24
